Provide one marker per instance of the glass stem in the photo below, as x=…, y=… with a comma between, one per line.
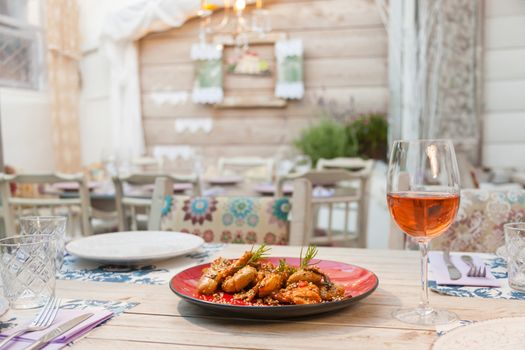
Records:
x=424, y=307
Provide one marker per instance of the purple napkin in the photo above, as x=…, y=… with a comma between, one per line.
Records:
x=99, y=316
x=440, y=271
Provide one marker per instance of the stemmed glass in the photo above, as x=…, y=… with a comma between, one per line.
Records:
x=423, y=198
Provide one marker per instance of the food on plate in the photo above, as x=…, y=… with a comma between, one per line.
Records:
x=254, y=280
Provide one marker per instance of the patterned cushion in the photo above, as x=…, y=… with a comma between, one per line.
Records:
x=479, y=224
x=229, y=219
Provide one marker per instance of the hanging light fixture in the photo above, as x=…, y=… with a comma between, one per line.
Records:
x=241, y=26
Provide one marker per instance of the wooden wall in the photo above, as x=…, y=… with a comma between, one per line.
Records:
x=345, y=59
x=504, y=84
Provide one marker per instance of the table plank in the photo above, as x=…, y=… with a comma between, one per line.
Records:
x=163, y=320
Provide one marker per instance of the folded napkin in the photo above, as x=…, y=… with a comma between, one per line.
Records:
x=23, y=341
x=440, y=274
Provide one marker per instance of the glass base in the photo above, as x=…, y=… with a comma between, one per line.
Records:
x=426, y=317
x=4, y=305
x=502, y=252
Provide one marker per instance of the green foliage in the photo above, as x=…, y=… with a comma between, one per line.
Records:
x=365, y=137
x=371, y=133
x=328, y=139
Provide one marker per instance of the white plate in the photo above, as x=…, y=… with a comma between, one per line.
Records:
x=501, y=333
x=134, y=247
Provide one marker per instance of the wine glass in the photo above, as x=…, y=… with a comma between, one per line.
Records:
x=423, y=198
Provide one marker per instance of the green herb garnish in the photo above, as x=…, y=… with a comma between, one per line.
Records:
x=311, y=252
x=261, y=252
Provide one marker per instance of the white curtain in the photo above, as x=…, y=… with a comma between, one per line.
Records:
x=120, y=32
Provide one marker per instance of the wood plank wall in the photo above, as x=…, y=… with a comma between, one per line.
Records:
x=345, y=60
x=504, y=84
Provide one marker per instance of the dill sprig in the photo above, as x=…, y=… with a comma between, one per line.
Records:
x=282, y=265
x=311, y=252
x=261, y=252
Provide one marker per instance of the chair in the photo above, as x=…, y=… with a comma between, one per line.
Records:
x=307, y=209
x=14, y=207
x=252, y=167
x=221, y=219
x=146, y=163
x=140, y=203
x=478, y=226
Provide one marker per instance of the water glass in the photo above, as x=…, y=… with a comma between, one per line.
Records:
x=515, y=246
x=47, y=225
x=302, y=164
x=27, y=268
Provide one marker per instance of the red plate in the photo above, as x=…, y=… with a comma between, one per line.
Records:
x=357, y=281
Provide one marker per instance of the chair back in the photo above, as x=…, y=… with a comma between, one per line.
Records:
x=251, y=220
x=325, y=219
x=130, y=207
x=478, y=226
x=14, y=207
x=250, y=167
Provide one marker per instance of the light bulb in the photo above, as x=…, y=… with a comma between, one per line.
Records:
x=240, y=5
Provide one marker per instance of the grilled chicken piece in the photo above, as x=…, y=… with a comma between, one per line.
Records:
x=309, y=274
x=299, y=293
x=240, y=280
x=211, y=276
x=271, y=283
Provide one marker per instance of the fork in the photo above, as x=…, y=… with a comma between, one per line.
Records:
x=42, y=321
x=474, y=270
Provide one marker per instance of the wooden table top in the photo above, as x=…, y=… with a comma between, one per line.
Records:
x=163, y=321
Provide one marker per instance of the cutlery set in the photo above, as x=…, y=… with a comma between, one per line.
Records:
x=455, y=274
x=43, y=321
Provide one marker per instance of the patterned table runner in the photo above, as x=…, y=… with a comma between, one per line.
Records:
x=159, y=273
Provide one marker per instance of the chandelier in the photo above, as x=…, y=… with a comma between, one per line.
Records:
x=235, y=23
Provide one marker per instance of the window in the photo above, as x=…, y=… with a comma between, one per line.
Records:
x=21, y=54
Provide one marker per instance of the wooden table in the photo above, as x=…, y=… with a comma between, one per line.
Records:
x=164, y=321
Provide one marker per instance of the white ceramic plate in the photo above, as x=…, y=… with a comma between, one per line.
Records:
x=134, y=247
x=501, y=333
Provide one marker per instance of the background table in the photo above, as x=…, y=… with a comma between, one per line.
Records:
x=163, y=321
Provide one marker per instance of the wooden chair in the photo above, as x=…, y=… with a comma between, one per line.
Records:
x=14, y=207
x=224, y=219
x=251, y=167
x=139, y=204
x=147, y=164
x=350, y=194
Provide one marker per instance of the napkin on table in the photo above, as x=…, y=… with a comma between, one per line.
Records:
x=23, y=341
x=441, y=276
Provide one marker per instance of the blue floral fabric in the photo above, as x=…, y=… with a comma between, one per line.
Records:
x=498, y=267
x=229, y=219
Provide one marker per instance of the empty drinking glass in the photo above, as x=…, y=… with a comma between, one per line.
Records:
x=47, y=225
x=515, y=247
x=27, y=268
x=302, y=164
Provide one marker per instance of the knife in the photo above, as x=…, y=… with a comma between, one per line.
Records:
x=453, y=271
x=63, y=328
